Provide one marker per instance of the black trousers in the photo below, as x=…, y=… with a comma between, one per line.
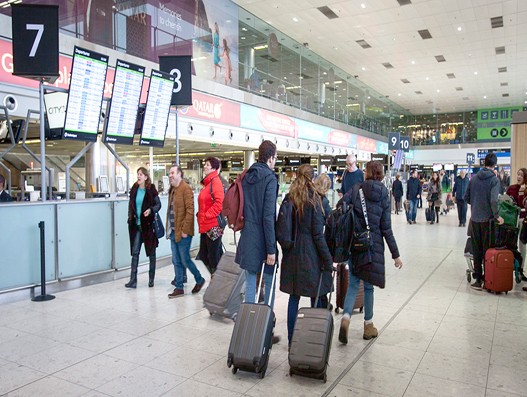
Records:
x=210, y=251
x=481, y=239
x=462, y=211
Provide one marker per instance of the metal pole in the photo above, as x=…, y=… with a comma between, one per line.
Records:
x=43, y=182
x=42, y=297
x=177, y=138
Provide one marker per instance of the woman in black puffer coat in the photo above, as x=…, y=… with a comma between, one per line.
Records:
x=369, y=266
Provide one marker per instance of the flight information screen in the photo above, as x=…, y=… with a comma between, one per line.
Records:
x=127, y=85
x=157, y=109
x=83, y=110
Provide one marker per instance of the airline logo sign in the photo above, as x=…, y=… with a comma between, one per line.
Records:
x=210, y=108
x=340, y=138
x=266, y=121
x=366, y=144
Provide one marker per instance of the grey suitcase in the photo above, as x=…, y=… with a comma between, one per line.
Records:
x=252, y=337
x=224, y=294
x=311, y=342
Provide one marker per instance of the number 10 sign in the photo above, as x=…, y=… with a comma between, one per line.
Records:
x=35, y=30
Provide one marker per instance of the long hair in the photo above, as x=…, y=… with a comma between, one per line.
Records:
x=148, y=181
x=303, y=190
x=322, y=184
x=437, y=181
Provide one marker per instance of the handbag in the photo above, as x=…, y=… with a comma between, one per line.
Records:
x=362, y=240
x=159, y=229
x=222, y=219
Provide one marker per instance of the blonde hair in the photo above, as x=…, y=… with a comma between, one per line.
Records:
x=303, y=190
x=322, y=184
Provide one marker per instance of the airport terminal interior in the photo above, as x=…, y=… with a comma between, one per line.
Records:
x=92, y=90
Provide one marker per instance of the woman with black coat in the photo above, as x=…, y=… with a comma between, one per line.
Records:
x=309, y=258
x=369, y=266
x=397, y=191
x=434, y=197
x=144, y=203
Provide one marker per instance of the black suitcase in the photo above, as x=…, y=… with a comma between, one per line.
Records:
x=311, y=342
x=429, y=213
x=252, y=337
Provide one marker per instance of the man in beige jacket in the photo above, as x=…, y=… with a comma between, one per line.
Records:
x=180, y=229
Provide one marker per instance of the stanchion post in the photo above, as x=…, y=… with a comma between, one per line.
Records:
x=42, y=297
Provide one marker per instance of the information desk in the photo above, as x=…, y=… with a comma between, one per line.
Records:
x=82, y=237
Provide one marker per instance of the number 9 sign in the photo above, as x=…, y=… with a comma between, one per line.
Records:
x=181, y=68
x=393, y=141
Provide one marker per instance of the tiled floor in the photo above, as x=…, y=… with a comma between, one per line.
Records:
x=437, y=337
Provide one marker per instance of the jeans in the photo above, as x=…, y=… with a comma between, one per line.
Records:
x=292, y=311
x=181, y=260
x=462, y=211
x=412, y=211
x=250, y=287
x=353, y=288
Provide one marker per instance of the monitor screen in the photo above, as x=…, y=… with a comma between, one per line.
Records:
x=437, y=167
x=449, y=167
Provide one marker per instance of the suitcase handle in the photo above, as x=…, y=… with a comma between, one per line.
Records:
x=334, y=272
x=272, y=283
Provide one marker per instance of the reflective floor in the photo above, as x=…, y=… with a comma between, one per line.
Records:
x=437, y=337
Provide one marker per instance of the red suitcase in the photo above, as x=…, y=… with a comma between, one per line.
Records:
x=499, y=269
x=342, y=288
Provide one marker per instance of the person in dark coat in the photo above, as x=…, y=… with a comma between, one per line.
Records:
x=144, y=203
x=397, y=191
x=322, y=185
x=309, y=258
x=257, y=241
x=4, y=196
x=460, y=188
x=369, y=266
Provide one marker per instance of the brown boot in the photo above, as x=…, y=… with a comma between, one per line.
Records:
x=343, y=333
x=369, y=331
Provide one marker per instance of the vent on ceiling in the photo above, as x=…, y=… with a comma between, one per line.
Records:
x=304, y=76
x=387, y=65
x=404, y=2
x=332, y=89
x=459, y=88
x=405, y=81
x=425, y=34
x=440, y=58
x=504, y=95
x=328, y=12
x=268, y=57
x=363, y=43
x=502, y=69
x=466, y=98
x=504, y=84
x=419, y=92
x=496, y=22
x=500, y=50
x=451, y=75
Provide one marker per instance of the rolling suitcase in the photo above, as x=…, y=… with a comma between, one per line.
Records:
x=342, y=289
x=224, y=294
x=252, y=337
x=499, y=267
x=428, y=214
x=311, y=342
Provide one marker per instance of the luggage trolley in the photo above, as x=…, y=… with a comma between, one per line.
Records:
x=469, y=256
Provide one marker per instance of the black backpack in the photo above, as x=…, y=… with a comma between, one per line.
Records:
x=339, y=232
x=286, y=224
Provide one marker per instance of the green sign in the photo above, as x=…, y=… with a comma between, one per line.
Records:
x=495, y=124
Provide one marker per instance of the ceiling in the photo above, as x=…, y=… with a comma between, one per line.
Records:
x=483, y=67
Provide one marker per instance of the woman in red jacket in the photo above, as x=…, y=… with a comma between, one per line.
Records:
x=210, y=205
x=519, y=193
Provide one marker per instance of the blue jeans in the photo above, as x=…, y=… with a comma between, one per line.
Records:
x=412, y=211
x=181, y=260
x=353, y=287
x=250, y=287
x=292, y=311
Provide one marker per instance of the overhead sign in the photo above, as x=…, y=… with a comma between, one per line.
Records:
x=495, y=124
x=179, y=66
x=35, y=32
x=83, y=111
x=157, y=109
x=122, y=116
x=471, y=158
x=404, y=143
x=55, y=103
x=393, y=140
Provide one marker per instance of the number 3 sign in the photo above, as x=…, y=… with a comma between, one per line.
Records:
x=35, y=31
x=181, y=68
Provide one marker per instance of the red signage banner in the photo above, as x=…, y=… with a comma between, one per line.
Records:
x=277, y=123
x=340, y=138
x=366, y=144
x=210, y=108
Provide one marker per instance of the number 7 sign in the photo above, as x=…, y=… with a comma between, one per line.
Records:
x=35, y=32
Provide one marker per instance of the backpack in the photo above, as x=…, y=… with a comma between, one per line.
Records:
x=339, y=232
x=286, y=224
x=233, y=204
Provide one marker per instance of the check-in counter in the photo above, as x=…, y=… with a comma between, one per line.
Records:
x=82, y=237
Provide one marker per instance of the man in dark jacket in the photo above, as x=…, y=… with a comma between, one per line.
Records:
x=482, y=195
x=4, y=196
x=413, y=192
x=397, y=191
x=257, y=241
x=460, y=188
x=352, y=175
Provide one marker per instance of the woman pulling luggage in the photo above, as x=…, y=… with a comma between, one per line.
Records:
x=434, y=197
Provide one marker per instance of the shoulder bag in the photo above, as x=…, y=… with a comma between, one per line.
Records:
x=159, y=229
x=362, y=240
x=222, y=220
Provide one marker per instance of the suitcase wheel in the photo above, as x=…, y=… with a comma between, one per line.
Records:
x=325, y=378
x=469, y=276
x=234, y=370
x=234, y=317
x=262, y=374
x=229, y=362
x=337, y=310
x=290, y=371
x=210, y=313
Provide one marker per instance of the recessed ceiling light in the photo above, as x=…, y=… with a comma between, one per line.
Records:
x=244, y=29
x=363, y=5
x=369, y=97
x=475, y=73
x=484, y=97
x=459, y=28
x=438, y=90
x=335, y=48
x=295, y=19
x=399, y=94
x=243, y=37
x=412, y=62
x=325, y=73
x=427, y=78
x=363, y=68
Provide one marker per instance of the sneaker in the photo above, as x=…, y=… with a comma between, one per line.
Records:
x=176, y=293
x=477, y=285
x=198, y=287
x=369, y=332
